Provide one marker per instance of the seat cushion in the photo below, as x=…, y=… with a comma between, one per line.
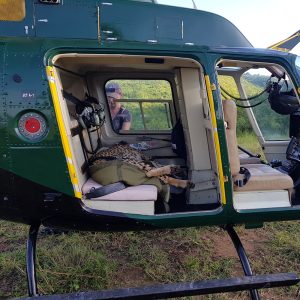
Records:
x=263, y=177
x=131, y=193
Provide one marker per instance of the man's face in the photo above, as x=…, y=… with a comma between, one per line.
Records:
x=112, y=100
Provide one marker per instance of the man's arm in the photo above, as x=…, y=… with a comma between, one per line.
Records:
x=126, y=125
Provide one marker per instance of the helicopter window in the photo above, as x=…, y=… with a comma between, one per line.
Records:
x=273, y=126
x=139, y=105
x=262, y=91
x=12, y=10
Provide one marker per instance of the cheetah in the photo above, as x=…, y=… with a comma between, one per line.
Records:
x=125, y=153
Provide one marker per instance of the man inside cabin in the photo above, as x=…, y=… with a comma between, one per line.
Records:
x=121, y=117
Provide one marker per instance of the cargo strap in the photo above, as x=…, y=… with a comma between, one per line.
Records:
x=104, y=190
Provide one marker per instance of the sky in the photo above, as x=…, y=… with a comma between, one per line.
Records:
x=263, y=22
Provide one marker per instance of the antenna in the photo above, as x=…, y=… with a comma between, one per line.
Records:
x=195, y=6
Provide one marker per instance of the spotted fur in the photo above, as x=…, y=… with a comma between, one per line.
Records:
x=136, y=158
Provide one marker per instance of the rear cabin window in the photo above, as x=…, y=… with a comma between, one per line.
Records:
x=12, y=10
x=140, y=105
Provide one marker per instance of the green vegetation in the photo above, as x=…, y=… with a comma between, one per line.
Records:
x=93, y=261
x=155, y=116
x=145, y=89
x=272, y=125
x=249, y=141
x=139, y=98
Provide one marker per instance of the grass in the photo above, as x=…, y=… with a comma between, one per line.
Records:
x=93, y=261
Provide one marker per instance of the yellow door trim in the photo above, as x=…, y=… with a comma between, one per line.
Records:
x=63, y=132
x=216, y=138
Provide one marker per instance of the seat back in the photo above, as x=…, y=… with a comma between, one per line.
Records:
x=230, y=117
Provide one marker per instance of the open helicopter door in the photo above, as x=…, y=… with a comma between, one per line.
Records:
x=171, y=92
x=265, y=93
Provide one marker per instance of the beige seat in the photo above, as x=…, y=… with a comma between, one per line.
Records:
x=263, y=177
x=138, y=199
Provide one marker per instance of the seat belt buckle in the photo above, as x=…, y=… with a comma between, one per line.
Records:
x=239, y=182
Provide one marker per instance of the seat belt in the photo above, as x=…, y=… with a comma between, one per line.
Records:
x=242, y=180
x=104, y=190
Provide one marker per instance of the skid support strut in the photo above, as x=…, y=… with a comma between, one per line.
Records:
x=30, y=260
x=243, y=257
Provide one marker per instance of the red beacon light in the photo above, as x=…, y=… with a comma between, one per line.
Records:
x=32, y=126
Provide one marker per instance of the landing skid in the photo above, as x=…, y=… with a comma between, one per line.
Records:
x=248, y=282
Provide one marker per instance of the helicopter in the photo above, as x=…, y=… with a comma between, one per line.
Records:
x=62, y=60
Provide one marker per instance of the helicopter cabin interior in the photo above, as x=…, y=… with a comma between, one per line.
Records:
x=158, y=93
